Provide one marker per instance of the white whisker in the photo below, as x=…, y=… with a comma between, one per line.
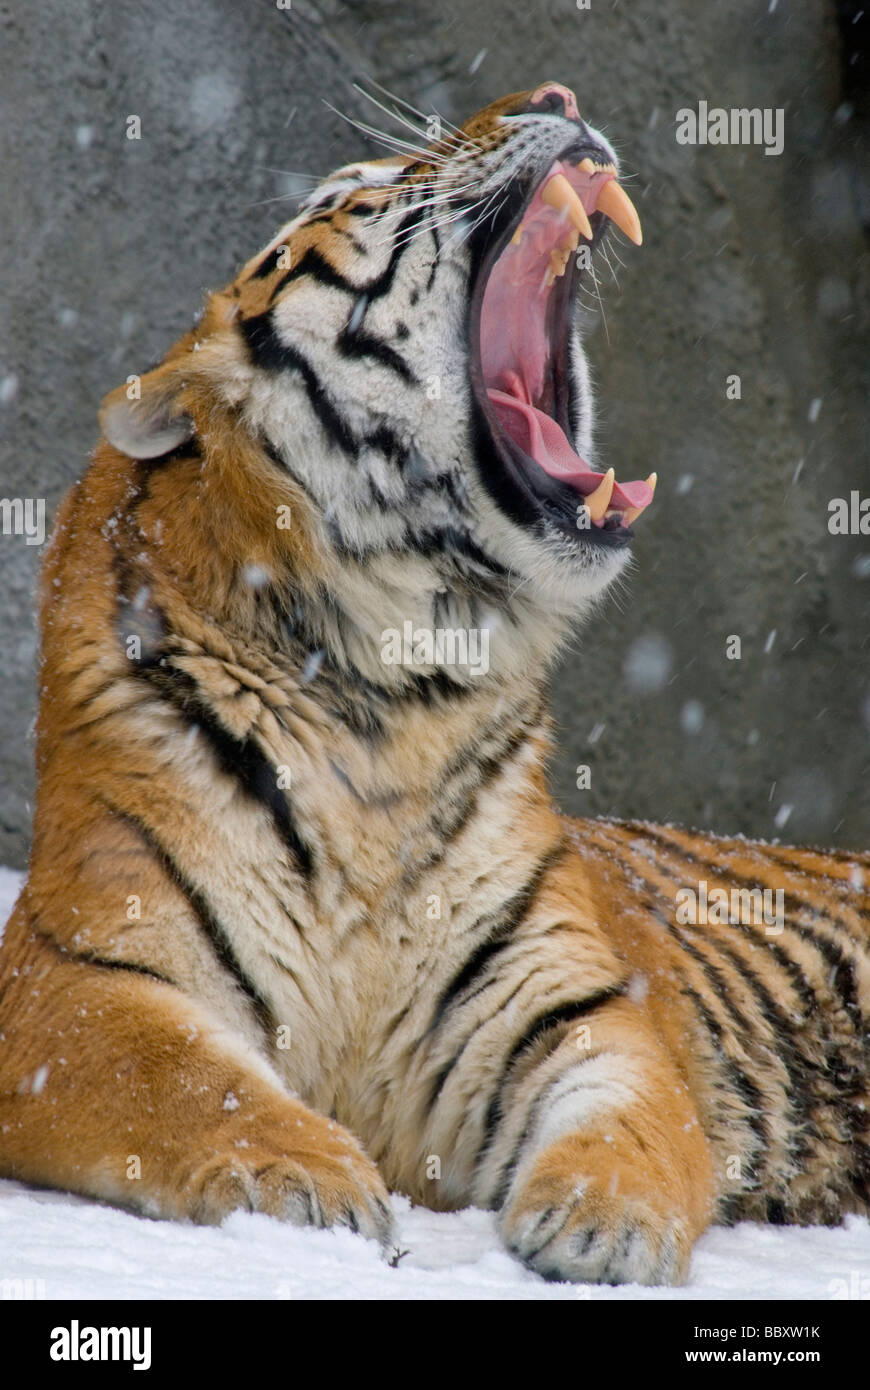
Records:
x=279, y=198
x=415, y=110
x=435, y=201
x=430, y=226
x=396, y=115
x=600, y=302
x=393, y=142
x=288, y=173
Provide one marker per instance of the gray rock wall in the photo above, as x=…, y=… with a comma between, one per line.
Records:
x=751, y=265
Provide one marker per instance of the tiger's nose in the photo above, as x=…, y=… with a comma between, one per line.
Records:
x=552, y=96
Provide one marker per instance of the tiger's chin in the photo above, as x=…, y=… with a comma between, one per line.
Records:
x=561, y=575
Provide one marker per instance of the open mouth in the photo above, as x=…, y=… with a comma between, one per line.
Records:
x=522, y=312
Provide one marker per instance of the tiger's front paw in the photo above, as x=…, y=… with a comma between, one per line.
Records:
x=568, y=1225
x=334, y=1184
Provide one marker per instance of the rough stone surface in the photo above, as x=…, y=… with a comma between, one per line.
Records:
x=751, y=265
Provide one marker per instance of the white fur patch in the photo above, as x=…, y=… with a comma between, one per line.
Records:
x=585, y=1092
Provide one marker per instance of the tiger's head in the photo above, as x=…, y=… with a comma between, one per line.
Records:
x=404, y=355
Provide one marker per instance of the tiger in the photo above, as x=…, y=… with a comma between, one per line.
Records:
x=303, y=927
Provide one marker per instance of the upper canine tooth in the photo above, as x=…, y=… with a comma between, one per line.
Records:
x=615, y=203
x=598, y=501
x=559, y=194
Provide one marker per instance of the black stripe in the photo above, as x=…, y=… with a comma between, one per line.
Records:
x=327, y=218
x=451, y=539
x=269, y=352
x=509, y=1167
x=463, y=801
x=717, y=981
x=313, y=264
x=802, y=1096
x=91, y=957
x=441, y=1078
x=363, y=344
x=745, y=1088
x=799, y=1071
x=842, y=971
x=787, y=963
x=289, y=971
x=808, y=1077
x=107, y=964
x=436, y=237
x=384, y=439
x=784, y=854
x=739, y=1083
x=211, y=927
x=501, y=935
x=548, y=1022
x=238, y=758
x=382, y=284
x=268, y=264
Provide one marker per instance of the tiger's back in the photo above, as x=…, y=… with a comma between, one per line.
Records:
x=767, y=948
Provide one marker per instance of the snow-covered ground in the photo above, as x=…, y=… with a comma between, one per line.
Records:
x=57, y=1246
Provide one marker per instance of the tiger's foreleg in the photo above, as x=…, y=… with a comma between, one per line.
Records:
x=138, y=1095
x=597, y=1164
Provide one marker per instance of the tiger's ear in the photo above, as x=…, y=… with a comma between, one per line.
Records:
x=142, y=418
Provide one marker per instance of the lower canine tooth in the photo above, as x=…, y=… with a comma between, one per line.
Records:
x=632, y=513
x=598, y=501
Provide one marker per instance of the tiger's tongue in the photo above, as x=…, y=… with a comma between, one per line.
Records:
x=539, y=436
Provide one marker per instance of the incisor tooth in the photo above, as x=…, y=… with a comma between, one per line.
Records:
x=598, y=501
x=559, y=194
x=615, y=203
x=517, y=236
